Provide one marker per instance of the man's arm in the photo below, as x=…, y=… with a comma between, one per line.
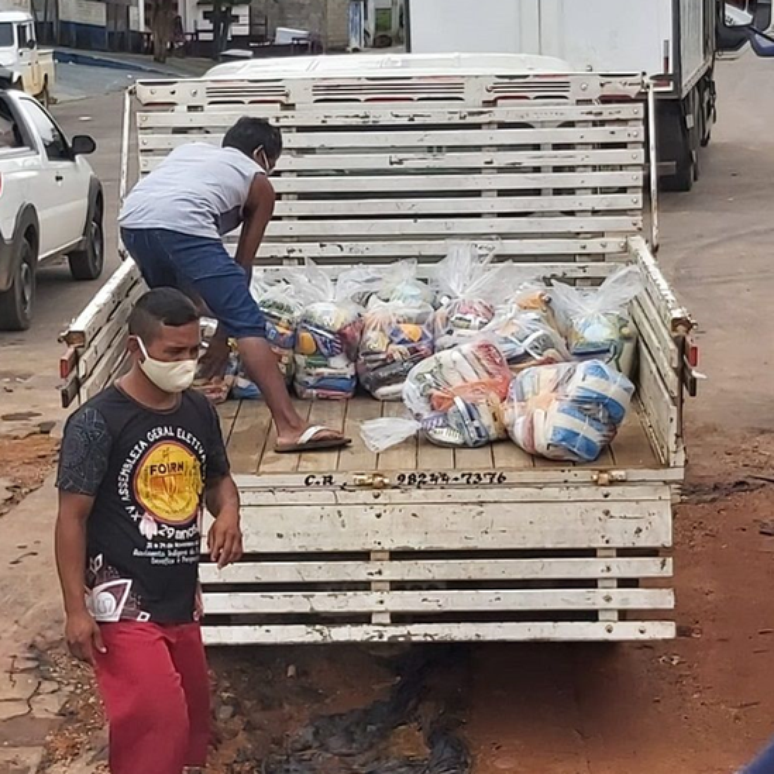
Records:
x=83, y=462
x=224, y=540
x=81, y=631
x=259, y=209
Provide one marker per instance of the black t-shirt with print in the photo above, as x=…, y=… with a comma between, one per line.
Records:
x=147, y=471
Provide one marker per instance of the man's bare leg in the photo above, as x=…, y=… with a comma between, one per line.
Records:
x=261, y=366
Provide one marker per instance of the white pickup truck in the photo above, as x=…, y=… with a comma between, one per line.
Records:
x=27, y=66
x=51, y=204
x=422, y=543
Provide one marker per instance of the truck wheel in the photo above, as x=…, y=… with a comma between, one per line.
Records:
x=87, y=264
x=17, y=303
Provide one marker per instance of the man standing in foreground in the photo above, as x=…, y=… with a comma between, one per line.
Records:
x=172, y=223
x=138, y=462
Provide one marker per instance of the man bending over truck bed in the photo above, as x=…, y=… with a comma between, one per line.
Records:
x=172, y=223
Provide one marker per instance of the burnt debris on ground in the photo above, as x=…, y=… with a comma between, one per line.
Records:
x=413, y=730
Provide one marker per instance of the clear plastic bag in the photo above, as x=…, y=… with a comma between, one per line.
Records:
x=569, y=411
x=526, y=338
x=468, y=290
x=397, y=325
x=396, y=336
x=596, y=321
x=456, y=398
x=457, y=395
x=282, y=306
x=327, y=337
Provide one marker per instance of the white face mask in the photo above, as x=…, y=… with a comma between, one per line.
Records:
x=169, y=377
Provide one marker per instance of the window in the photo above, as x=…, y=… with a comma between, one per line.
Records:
x=6, y=35
x=23, y=36
x=53, y=139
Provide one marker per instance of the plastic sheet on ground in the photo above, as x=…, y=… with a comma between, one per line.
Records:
x=596, y=322
x=569, y=411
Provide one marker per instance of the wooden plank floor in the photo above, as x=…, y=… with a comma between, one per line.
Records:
x=250, y=436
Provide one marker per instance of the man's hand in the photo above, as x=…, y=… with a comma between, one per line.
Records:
x=84, y=637
x=225, y=540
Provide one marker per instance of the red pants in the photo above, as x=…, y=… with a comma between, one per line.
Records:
x=155, y=687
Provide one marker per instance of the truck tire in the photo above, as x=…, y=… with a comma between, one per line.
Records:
x=18, y=302
x=87, y=263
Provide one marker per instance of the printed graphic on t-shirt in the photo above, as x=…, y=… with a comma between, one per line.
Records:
x=161, y=486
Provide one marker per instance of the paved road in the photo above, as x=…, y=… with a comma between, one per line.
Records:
x=75, y=81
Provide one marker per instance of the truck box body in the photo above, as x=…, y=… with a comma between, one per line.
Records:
x=673, y=38
x=422, y=542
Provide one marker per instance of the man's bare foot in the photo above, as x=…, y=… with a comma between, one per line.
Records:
x=313, y=438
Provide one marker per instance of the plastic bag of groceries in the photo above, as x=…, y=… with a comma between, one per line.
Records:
x=396, y=282
x=397, y=326
x=468, y=290
x=327, y=337
x=596, y=322
x=568, y=411
x=396, y=336
x=456, y=398
x=282, y=304
x=526, y=338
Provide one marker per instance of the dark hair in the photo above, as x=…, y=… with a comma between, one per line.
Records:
x=248, y=134
x=161, y=306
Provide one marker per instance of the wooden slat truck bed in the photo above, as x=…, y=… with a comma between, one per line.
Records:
x=425, y=543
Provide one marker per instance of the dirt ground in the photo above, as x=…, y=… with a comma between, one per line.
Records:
x=24, y=464
x=698, y=705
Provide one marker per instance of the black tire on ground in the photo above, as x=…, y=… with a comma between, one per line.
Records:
x=87, y=264
x=18, y=302
x=685, y=174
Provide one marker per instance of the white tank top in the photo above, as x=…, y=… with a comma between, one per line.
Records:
x=198, y=190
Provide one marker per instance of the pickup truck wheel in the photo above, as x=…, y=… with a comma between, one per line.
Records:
x=87, y=264
x=17, y=303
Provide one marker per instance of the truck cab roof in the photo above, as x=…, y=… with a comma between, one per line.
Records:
x=389, y=64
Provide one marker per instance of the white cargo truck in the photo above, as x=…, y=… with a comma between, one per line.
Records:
x=422, y=543
x=674, y=42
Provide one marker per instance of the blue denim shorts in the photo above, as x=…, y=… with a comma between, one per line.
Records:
x=202, y=268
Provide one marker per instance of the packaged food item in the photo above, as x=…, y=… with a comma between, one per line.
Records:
x=568, y=411
x=456, y=398
x=596, y=321
x=396, y=336
x=327, y=338
x=468, y=289
x=526, y=338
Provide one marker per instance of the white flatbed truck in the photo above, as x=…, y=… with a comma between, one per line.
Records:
x=422, y=543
